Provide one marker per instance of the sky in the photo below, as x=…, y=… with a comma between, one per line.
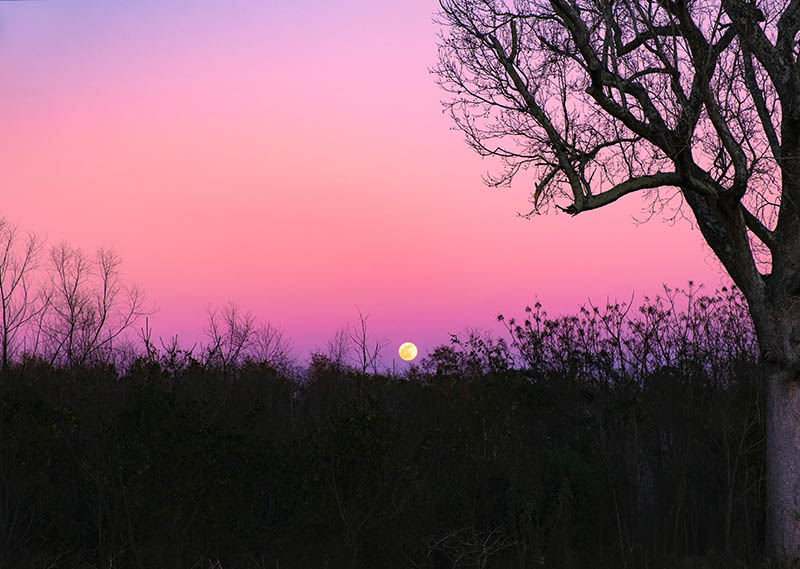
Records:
x=293, y=158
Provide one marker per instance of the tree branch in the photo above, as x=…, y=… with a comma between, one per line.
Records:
x=655, y=129
x=760, y=104
x=760, y=230
x=628, y=186
x=745, y=16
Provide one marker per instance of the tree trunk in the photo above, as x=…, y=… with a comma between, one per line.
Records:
x=783, y=467
x=777, y=324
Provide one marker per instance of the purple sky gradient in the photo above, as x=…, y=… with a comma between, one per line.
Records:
x=294, y=159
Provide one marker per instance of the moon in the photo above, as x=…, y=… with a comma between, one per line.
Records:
x=407, y=351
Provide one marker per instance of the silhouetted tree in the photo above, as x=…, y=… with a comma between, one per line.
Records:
x=686, y=102
x=368, y=350
x=338, y=348
x=236, y=338
x=231, y=334
x=271, y=346
x=90, y=306
x=19, y=302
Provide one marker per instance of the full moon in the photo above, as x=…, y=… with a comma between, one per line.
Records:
x=407, y=351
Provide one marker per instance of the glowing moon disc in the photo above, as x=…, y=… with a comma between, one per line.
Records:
x=407, y=351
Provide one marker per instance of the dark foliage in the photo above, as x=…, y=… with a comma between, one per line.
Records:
x=601, y=440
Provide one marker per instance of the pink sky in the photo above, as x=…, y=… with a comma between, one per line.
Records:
x=294, y=159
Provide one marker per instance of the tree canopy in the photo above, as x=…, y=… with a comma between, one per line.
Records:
x=681, y=101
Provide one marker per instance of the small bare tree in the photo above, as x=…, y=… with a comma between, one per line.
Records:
x=368, y=349
x=20, y=303
x=231, y=333
x=270, y=346
x=338, y=349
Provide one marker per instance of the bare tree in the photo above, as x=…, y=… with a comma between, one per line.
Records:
x=20, y=303
x=90, y=306
x=692, y=104
x=339, y=348
x=231, y=333
x=367, y=349
x=270, y=346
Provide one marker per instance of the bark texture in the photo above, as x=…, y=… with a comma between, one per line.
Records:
x=783, y=467
x=779, y=338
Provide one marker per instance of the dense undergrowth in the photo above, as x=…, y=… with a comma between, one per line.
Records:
x=615, y=438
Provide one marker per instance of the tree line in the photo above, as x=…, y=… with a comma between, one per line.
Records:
x=621, y=436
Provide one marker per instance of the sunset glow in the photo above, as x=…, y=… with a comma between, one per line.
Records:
x=279, y=156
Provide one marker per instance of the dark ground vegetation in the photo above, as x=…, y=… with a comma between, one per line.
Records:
x=619, y=437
